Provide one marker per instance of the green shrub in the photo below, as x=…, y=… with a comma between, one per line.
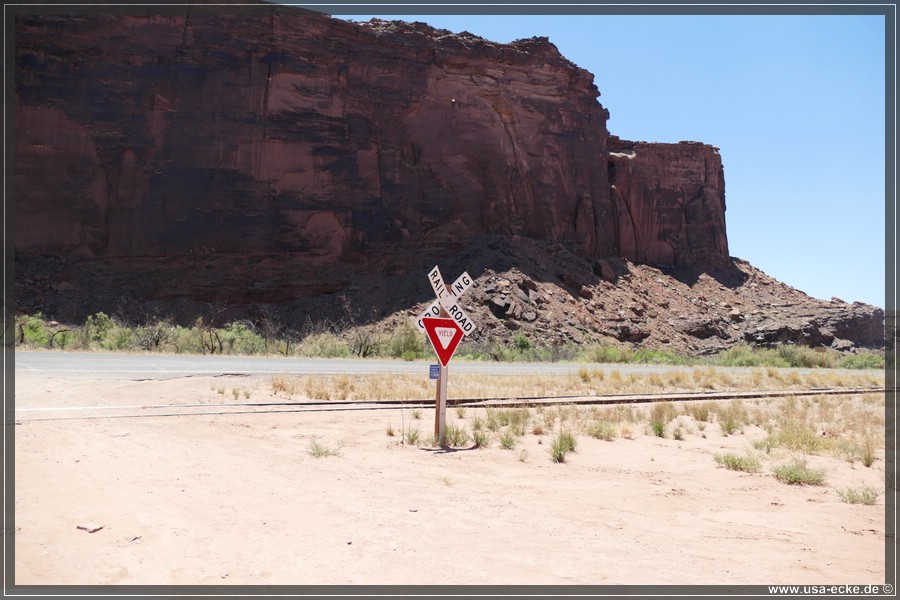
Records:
x=324, y=345
x=799, y=437
x=481, y=438
x=804, y=357
x=186, y=340
x=507, y=440
x=519, y=348
x=455, y=436
x=741, y=355
x=606, y=354
x=798, y=473
x=601, y=353
x=319, y=450
x=766, y=444
x=734, y=462
x=601, y=431
x=514, y=418
x=96, y=327
x=412, y=437
x=59, y=336
x=237, y=338
x=731, y=417
x=407, y=343
x=862, y=360
x=521, y=342
x=118, y=338
x=660, y=357
x=783, y=355
x=35, y=330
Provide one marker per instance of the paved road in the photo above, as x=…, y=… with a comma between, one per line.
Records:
x=168, y=366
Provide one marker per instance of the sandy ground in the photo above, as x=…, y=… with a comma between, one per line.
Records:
x=239, y=499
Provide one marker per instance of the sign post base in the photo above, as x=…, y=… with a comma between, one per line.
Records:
x=440, y=407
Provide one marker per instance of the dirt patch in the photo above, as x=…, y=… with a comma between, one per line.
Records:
x=241, y=499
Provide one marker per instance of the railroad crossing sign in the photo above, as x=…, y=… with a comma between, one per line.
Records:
x=445, y=336
x=445, y=323
x=448, y=300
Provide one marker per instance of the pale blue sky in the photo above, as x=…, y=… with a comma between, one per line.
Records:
x=795, y=104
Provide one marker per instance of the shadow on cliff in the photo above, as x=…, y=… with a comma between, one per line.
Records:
x=292, y=298
x=550, y=262
x=727, y=275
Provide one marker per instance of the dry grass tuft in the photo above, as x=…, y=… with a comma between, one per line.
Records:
x=563, y=443
x=700, y=411
x=320, y=450
x=865, y=495
x=731, y=416
x=283, y=383
x=661, y=413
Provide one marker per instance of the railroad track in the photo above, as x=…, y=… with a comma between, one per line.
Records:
x=236, y=408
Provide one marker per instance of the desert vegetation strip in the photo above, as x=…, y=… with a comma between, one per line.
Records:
x=781, y=433
x=651, y=398
x=603, y=384
x=346, y=339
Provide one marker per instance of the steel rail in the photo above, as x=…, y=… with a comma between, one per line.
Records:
x=239, y=408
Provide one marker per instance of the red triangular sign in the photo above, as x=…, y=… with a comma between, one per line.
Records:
x=445, y=336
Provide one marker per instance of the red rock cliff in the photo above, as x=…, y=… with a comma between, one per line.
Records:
x=274, y=141
x=669, y=202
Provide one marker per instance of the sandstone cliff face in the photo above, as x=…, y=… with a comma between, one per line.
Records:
x=260, y=133
x=269, y=132
x=669, y=202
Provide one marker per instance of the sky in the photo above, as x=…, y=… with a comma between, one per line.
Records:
x=795, y=104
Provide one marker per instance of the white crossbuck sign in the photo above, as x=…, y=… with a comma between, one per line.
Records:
x=449, y=300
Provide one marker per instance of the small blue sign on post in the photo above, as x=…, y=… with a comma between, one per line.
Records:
x=434, y=372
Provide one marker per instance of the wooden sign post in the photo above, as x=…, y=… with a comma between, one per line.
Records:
x=440, y=403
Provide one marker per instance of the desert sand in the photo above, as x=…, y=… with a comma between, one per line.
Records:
x=238, y=499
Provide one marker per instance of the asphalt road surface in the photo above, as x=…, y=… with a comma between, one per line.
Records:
x=171, y=366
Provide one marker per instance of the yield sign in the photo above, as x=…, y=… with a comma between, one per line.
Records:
x=445, y=336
